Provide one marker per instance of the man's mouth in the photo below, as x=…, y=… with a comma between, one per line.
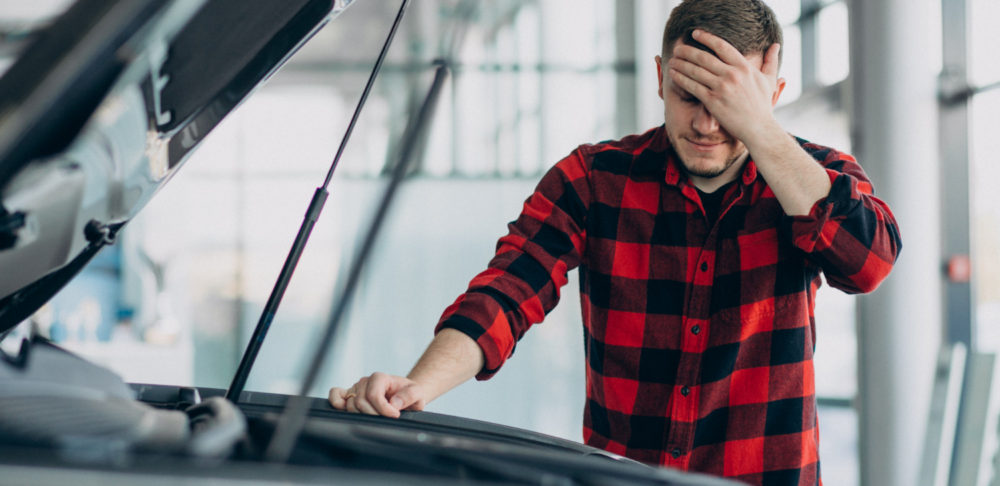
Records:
x=705, y=145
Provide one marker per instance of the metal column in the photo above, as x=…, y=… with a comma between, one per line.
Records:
x=626, y=83
x=894, y=129
x=954, y=120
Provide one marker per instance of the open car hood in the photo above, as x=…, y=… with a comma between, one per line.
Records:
x=103, y=108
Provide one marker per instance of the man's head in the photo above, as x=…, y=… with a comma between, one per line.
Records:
x=749, y=25
x=704, y=147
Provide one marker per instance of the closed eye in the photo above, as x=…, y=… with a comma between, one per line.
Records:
x=687, y=97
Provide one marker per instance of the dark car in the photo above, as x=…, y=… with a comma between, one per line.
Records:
x=96, y=114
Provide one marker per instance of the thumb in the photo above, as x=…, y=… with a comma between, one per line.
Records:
x=407, y=397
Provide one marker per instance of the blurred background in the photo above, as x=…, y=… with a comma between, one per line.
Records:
x=910, y=87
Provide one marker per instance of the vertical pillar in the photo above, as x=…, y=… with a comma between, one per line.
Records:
x=954, y=123
x=894, y=129
x=810, y=42
x=626, y=108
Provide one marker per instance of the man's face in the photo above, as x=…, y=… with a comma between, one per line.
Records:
x=705, y=148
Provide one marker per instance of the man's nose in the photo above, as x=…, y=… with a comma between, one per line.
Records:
x=704, y=122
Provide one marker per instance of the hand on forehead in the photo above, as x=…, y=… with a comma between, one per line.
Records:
x=739, y=91
x=704, y=48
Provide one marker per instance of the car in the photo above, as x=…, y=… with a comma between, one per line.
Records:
x=101, y=110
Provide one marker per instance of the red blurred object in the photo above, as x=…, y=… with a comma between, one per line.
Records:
x=959, y=268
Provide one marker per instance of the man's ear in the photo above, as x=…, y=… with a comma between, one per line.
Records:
x=659, y=76
x=778, y=88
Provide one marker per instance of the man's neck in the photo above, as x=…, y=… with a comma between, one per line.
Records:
x=712, y=184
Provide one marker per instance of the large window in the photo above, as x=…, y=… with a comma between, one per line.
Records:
x=520, y=98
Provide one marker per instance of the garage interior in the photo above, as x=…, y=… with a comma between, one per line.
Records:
x=906, y=381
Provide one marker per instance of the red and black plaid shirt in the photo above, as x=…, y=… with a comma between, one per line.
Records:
x=699, y=334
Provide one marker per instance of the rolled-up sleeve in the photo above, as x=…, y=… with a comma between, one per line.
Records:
x=522, y=282
x=850, y=234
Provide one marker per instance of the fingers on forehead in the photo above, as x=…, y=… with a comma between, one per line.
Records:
x=707, y=60
x=694, y=54
x=717, y=44
x=685, y=83
x=688, y=42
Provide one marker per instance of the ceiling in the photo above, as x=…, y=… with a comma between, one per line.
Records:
x=429, y=30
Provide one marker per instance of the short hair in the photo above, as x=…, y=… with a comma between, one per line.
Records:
x=749, y=25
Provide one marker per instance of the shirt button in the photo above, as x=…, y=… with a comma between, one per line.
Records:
x=685, y=391
x=676, y=453
x=695, y=329
x=704, y=266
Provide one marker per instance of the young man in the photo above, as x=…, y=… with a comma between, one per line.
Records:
x=700, y=245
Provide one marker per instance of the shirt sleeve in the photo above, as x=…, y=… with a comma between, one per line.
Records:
x=522, y=282
x=851, y=234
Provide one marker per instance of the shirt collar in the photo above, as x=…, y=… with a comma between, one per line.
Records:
x=673, y=174
x=749, y=172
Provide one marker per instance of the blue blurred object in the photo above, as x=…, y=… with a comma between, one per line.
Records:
x=88, y=308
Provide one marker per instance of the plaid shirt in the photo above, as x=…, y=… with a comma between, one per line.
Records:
x=699, y=335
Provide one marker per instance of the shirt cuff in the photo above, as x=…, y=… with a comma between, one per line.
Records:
x=491, y=354
x=807, y=230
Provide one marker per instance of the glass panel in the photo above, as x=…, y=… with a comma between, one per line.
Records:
x=295, y=129
x=439, y=158
x=475, y=112
x=838, y=445
x=833, y=58
x=562, y=42
x=836, y=345
x=791, y=65
x=787, y=11
x=474, y=47
x=934, y=30
x=603, y=110
x=527, y=26
x=571, y=110
x=516, y=79
x=985, y=170
x=506, y=130
x=529, y=121
x=604, y=33
x=984, y=39
x=505, y=48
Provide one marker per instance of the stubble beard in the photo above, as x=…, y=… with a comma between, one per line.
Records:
x=708, y=173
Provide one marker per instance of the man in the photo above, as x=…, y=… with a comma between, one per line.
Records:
x=700, y=244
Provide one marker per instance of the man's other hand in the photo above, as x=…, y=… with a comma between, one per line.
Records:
x=452, y=358
x=380, y=394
